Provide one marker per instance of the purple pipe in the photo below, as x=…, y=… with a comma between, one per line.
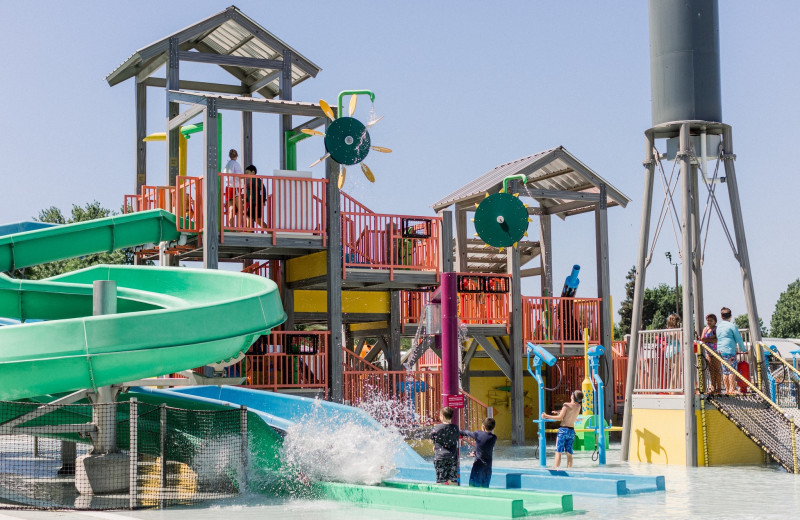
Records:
x=449, y=338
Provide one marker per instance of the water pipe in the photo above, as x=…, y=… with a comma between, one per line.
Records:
x=517, y=177
x=594, y=354
x=344, y=93
x=794, y=354
x=571, y=283
x=587, y=408
x=540, y=355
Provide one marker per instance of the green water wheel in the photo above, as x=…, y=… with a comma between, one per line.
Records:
x=347, y=140
x=501, y=220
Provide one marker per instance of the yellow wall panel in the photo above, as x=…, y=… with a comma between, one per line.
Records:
x=352, y=301
x=308, y=266
x=657, y=436
x=726, y=443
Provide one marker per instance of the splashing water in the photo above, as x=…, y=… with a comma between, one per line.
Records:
x=330, y=448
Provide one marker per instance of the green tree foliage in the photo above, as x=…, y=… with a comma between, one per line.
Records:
x=90, y=211
x=657, y=305
x=786, y=318
x=742, y=322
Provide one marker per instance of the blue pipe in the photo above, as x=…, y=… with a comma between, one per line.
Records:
x=594, y=354
x=771, y=350
x=540, y=355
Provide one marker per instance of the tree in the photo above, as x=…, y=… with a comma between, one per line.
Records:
x=658, y=303
x=786, y=318
x=90, y=211
x=741, y=321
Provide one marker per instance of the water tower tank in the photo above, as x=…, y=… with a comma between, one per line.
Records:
x=684, y=61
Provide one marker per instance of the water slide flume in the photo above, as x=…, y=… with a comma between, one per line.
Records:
x=169, y=319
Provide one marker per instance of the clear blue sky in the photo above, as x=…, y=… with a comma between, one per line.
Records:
x=464, y=86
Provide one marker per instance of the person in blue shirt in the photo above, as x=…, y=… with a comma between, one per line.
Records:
x=481, y=472
x=729, y=341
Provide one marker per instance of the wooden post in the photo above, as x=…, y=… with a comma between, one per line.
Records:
x=638, y=293
x=211, y=188
x=173, y=109
x=334, y=282
x=604, y=293
x=446, y=242
x=285, y=123
x=545, y=244
x=515, y=347
x=141, y=133
x=461, y=240
x=247, y=139
x=393, y=357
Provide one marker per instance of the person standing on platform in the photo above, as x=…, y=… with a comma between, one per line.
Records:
x=729, y=341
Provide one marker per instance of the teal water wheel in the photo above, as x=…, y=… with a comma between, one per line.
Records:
x=501, y=220
x=347, y=140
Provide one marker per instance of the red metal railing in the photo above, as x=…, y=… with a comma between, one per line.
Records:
x=376, y=241
x=619, y=360
x=131, y=203
x=266, y=204
x=572, y=372
x=404, y=398
x=429, y=361
x=354, y=363
x=297, y=359
x=188, y=206
x=560, y=320
x=258, y=269
x=350, y=205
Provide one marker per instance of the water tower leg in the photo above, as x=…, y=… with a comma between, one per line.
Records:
x=638, y=293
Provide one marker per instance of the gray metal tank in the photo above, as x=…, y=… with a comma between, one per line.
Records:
x=684, y=61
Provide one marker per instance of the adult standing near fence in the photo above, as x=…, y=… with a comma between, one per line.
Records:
x=709, y=337
x=729, y=341
x=233, y=166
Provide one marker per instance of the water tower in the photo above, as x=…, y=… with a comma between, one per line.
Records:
x=687, y=114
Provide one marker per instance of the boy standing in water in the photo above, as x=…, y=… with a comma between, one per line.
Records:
x=566, y=432
x=445, y=448
x=481, y=472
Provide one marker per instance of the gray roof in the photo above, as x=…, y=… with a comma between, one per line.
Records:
x=554, y=169
x=230, y=33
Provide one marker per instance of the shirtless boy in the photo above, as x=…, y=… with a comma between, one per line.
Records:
x=566, y=433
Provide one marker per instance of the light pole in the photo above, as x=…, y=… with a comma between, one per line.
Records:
x=677, y=296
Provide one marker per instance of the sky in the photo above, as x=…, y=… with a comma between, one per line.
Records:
x=463, y=87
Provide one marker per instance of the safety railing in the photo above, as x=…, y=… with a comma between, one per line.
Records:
x=473, y=414
x=390, y=242
x=267, y=204
x=659, y=363
x=565, y=376
x=355, y=363
x=556, y=320
x=188, y=206
x=429, y=361
x=348, y=204
x=131, y=203
x=258, y=269
x=482, y=300
x=619, y=360
x=292, y=359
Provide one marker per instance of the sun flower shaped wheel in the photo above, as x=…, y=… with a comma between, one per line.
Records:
x=501, y=220
x=347, y=141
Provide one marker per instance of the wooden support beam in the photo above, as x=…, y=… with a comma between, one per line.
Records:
x=394, y=354
x=266, y=106
x=493, y=353
x=334, y=280
x=446, y=246
x=264, y=81
x=311, y=124
x=231, y=61
x=557, y=194
x=377, y=348
x=173, y=135
x=360, y=345
x=211, y=189
x=533, y=271
x=141, y=133
x=204, y=86
x=461, y=264
x=569, y=206
x=247, y=139
x=285, y=122
x=515, y=347
x=183, y=117
x=546, y=246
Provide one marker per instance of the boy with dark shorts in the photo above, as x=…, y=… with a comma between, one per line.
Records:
x=445, y=448
x=566, y=433
x=481, y=472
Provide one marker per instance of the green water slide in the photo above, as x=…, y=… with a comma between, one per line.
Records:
x=169, y=319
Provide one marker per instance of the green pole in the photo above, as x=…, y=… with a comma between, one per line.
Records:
x=344, y=93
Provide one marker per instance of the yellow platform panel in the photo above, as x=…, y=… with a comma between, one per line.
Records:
x=308, y=266
x=362, y=302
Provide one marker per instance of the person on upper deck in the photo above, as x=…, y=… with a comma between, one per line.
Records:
x=729, y=342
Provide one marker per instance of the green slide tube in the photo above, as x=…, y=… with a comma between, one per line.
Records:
x=169, y=319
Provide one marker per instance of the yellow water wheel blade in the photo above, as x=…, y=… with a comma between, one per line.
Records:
x=326, y=108
x=342, y=175
x=367, y=172
x=319, y=160
x=312, y=132
x=353, y=100
x=380, y=149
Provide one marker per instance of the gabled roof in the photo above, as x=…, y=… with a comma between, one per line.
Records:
x=228, y=33
x=555, y=169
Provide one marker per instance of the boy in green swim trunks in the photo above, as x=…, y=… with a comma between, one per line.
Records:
x=566, y=432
